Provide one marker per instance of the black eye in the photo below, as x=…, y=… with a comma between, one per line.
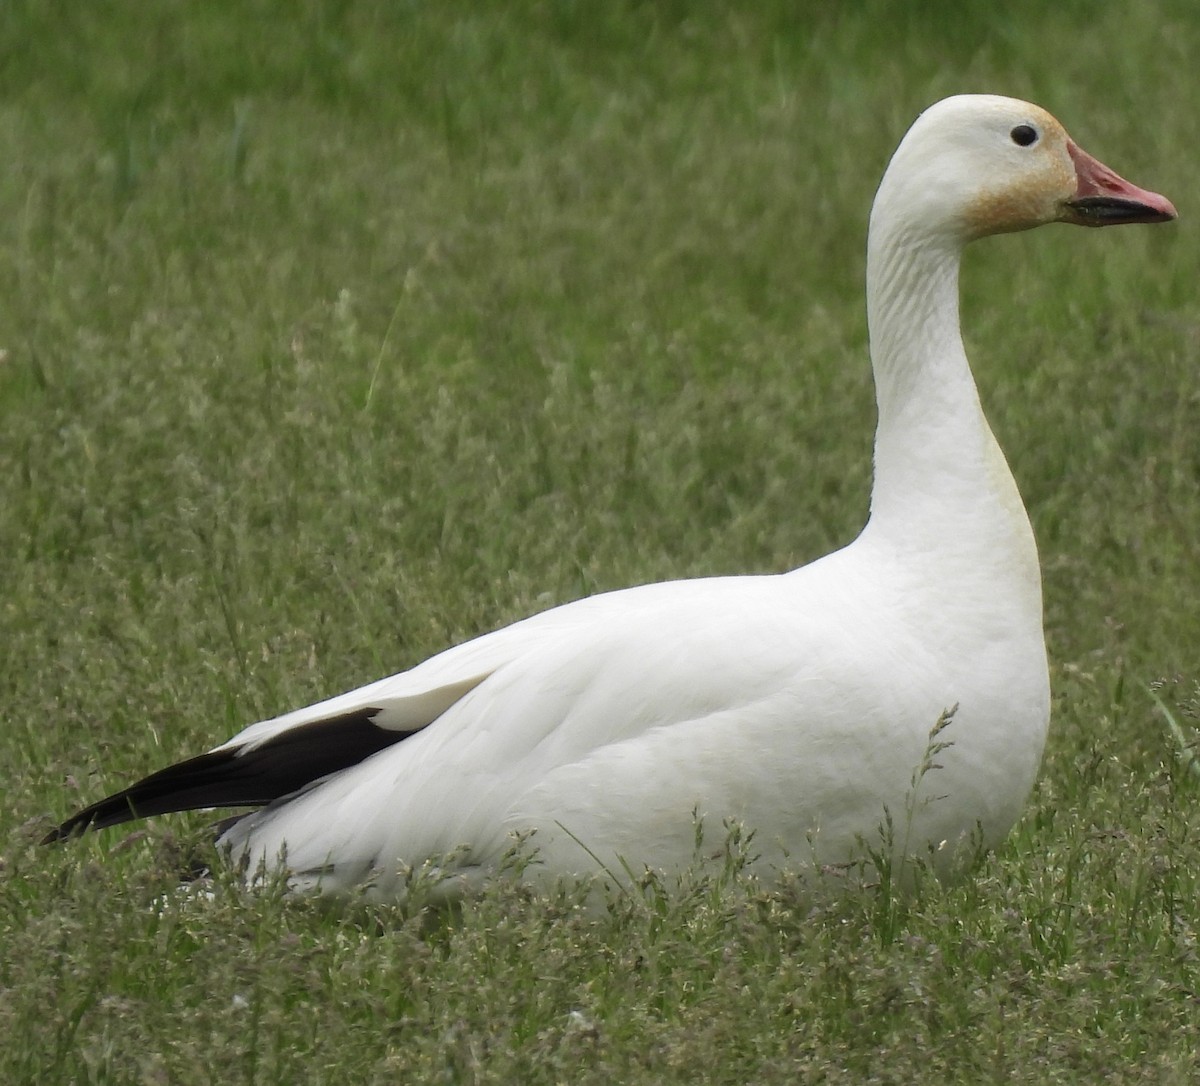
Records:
x=1024, y=134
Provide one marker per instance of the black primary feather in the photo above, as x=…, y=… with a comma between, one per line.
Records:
x=282, y=765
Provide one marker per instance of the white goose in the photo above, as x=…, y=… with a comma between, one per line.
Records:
x=799, y=704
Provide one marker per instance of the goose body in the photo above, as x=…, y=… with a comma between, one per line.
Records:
x=800, y=704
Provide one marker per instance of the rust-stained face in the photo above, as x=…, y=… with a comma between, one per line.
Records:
x=1032, y=177
x=983, y=164
x=1052, y=180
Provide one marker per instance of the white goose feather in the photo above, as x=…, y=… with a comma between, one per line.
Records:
x=800, y=704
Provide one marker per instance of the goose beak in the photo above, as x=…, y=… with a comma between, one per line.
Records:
x=1104, y=198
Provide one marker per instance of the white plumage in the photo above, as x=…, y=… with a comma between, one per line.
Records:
x=799, y=704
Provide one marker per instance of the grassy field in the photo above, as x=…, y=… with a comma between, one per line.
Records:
x=335, y=332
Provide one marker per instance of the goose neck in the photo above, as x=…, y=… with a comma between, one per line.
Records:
x=941, y=484
x=913, y=320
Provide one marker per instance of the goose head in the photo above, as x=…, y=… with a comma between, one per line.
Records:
x=978, y=164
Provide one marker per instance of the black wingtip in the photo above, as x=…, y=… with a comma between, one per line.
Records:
x=204, y=781
x=110, y=811
x=236, y=777
x=75, y=826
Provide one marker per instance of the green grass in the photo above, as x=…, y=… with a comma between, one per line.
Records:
x=337, y=332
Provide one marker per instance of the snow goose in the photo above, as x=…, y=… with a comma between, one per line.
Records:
x=799, y=704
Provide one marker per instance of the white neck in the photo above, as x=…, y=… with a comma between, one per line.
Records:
x=943, y=493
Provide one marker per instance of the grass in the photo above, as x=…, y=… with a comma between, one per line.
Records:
x=334, y=333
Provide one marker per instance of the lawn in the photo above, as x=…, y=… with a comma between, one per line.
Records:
x=333, y=333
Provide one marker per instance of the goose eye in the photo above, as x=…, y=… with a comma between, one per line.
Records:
x=1023, y=135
